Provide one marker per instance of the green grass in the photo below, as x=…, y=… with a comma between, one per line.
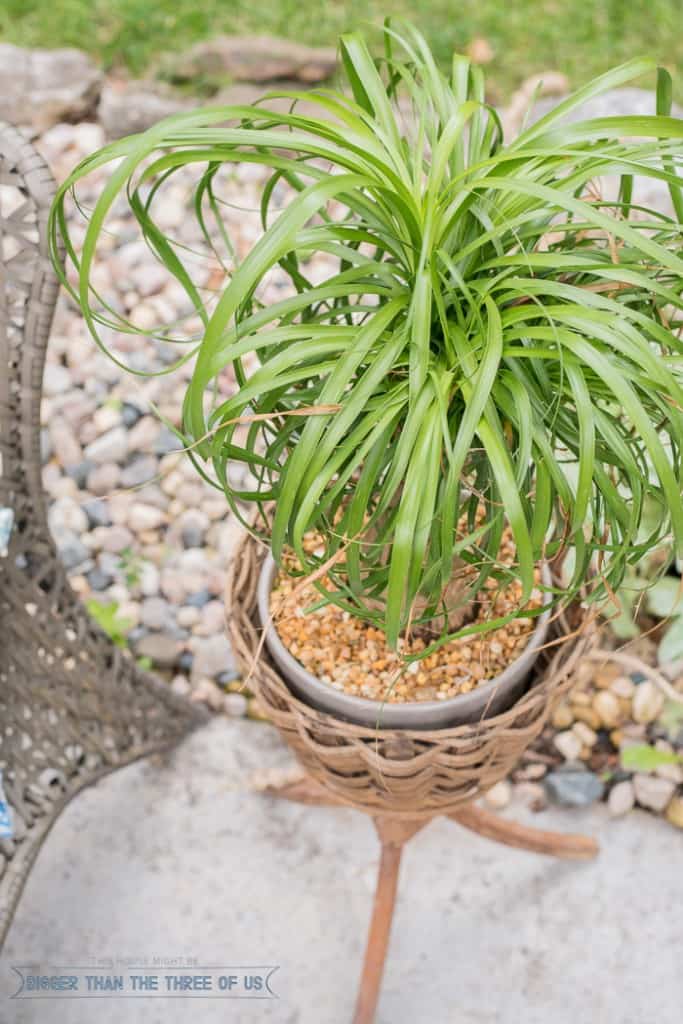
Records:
x=579, y=38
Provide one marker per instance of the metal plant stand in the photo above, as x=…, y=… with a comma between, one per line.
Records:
x=394, y=833
x=404, y=779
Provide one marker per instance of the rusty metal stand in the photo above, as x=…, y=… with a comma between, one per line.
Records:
x=394, y=833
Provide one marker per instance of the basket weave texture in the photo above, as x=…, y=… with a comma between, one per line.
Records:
x=399, y=772
x=72, y=705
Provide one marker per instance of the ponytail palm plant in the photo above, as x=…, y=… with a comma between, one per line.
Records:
x=496, y=347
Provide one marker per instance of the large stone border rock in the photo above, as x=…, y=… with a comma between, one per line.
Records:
x=43, y=87
x=255, y=59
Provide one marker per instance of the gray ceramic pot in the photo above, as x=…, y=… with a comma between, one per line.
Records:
x=489, y=699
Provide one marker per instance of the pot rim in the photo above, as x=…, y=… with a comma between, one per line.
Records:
x=462, y=703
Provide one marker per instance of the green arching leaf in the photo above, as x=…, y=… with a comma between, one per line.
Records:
x=307, y=458
x=420, y=331
x=664, y=102
x=409, y=530
x=611, y=80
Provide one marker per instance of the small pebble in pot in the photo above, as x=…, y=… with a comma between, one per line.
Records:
x=353, y=655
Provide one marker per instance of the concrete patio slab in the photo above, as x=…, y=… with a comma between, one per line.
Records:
x=175, y=857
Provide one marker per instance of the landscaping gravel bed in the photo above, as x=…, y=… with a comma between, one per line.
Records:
x=145, y=540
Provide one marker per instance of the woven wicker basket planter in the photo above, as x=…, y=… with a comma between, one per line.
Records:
x=402, y=773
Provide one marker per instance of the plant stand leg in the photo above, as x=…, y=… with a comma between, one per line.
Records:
x=393, y=834
x=510, y=833
x=294, y=784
